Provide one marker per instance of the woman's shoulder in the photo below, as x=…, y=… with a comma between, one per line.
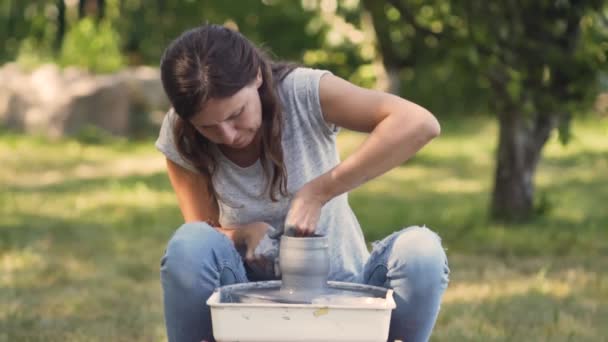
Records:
x=302, y=76
x=300, y=87
x=299, y=93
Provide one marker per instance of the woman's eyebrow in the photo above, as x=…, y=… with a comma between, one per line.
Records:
x=236, y=111
x=228, y=117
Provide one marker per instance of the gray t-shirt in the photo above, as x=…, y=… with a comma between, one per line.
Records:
x=309, y=149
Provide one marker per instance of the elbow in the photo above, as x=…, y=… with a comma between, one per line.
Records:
x=418, y=124
x=429, y=127
x=434, y=126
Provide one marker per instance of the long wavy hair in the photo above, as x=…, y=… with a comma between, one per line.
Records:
x=214, y=62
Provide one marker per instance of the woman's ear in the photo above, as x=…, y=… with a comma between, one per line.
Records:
x=259, y=79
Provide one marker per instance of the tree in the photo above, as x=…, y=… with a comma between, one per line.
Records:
x=146, y=27
x=61, y=21
x=540, y=60
x=406, y=37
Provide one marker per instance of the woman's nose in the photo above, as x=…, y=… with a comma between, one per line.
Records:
x=226, y=133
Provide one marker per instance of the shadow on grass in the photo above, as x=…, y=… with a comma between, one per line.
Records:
x=580, y=159
x=94, y=277
x=102, y=227
x=531, y=316
x=464, y=127
x=459, y=165
x=157, y=182
x=574, y=221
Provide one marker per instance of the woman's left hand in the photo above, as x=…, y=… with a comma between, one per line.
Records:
x=305, y=211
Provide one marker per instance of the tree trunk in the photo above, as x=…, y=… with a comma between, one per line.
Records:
x=95, y=8
x=101, y=9
x=60, y=25
x=392, y=62
x=520, y=143
x=81, y=8
x=513, y=183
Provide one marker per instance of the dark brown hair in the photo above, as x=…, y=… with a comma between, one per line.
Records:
x=214, y=62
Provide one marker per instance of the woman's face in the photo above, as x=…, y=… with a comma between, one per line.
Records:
x=233, y=121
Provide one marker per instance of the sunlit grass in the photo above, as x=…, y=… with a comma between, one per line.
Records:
x=519, y=299
x=447, y=186
x=83, y=226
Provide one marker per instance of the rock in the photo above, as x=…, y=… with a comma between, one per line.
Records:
x=102, y=102
x=57, y=102
x=145, y=87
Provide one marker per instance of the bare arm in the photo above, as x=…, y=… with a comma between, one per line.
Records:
x=197, y=204
x=398, y=129
x=195, y=201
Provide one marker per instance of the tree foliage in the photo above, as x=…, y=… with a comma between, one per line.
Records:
x=534, y=64
x=537, y=61
x=146, y=27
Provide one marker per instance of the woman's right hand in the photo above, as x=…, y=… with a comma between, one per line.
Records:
x=247, y=238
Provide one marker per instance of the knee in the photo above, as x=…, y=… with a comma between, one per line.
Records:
x=419, y=252
x=190, y=248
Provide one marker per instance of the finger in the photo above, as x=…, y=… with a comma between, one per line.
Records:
x=306, y=232
x=254, y=261
x=260, y=261
x=291, y=230
x=249, y=257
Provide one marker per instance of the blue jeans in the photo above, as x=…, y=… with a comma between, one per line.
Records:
x=199, y=259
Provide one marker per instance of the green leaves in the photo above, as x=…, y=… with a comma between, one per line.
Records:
x=93, y=46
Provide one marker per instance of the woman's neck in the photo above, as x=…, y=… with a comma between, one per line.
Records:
x=245, y=156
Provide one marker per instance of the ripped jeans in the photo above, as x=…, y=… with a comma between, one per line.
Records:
x=199, y=259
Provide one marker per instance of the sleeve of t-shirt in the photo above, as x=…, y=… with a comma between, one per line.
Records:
x=306, y=85
x=165, y=142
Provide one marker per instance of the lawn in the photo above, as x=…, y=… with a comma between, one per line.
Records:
x=83, y=226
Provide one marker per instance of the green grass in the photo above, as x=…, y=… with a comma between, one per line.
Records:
x=83, y=226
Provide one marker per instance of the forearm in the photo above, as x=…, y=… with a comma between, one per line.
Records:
x=391, y=143
x=226, y=231
x=235, y=235
x=241, y=235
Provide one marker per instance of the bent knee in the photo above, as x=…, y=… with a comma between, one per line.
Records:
x=419, y=251
x=192, y=239
x=188, y=250
x=420, y=243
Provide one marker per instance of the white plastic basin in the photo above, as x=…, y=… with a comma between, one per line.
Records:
x=354, y=320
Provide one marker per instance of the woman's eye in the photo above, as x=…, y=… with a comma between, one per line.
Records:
x=236, y=115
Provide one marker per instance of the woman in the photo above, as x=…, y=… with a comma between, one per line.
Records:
x=251, y=149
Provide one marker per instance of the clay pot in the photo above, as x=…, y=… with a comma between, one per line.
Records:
x=304, y=263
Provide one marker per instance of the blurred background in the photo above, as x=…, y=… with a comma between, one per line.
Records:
x=516, y=185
